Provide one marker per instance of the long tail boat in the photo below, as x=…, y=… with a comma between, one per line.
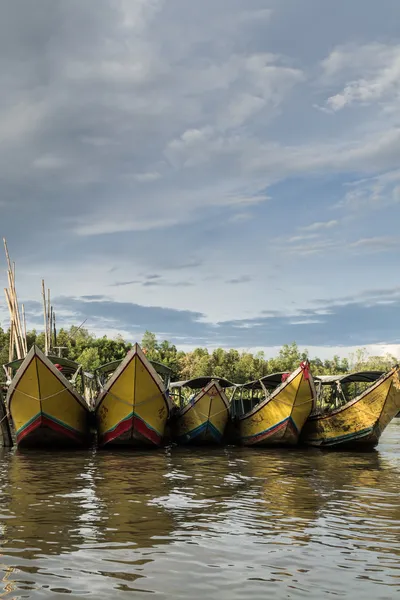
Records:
x=202, y=417
x=273, y=409
x=44, y=402
x=133, y=405
x=364, y=403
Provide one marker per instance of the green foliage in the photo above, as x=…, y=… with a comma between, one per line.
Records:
x=80, y=345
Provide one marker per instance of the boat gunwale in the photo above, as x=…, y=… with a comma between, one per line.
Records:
x=33, y=353
x=277, y=391
x=350, y=403
x=134, y=351
x=214, y=383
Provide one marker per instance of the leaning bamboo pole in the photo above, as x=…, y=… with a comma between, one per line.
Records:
x=48, y=321
x=46, y=349
x=24, y=325
x=18, y=338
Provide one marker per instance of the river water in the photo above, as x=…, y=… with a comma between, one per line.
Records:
x=218, y=523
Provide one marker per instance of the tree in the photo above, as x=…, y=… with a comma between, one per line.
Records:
x=150, y=345
x=89, y=359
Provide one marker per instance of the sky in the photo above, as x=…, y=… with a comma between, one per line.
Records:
x=223, y=173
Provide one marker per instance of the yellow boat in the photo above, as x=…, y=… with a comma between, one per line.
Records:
x=359, y=416
x=44, y=404
x=133, y=406
x=201, y=418
x=273, y=409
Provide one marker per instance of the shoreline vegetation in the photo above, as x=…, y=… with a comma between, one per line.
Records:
x=90, y=351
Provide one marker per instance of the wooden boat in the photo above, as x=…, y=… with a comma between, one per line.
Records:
x=133, y=405
x=273, y=409
x=202, y=417
x=44, y=403
x=358, y=416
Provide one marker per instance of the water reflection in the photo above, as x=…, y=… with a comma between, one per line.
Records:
x=126, y=484
x=216, y=523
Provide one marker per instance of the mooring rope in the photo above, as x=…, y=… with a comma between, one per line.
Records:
x=65, y=389
x=134, y=404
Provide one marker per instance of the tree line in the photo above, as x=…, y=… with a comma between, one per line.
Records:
x=239, y=367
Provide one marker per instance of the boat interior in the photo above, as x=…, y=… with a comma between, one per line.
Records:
x=334, y=391
x=248, y=395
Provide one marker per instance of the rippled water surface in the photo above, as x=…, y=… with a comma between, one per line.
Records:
x=218, y=523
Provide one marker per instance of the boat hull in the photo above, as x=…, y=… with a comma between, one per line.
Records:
x=358, y=424
x=45, y=409
x=132, y=409
x=203, y=421
x=279, y=419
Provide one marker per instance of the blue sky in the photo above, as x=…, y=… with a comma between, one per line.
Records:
x=223, y=173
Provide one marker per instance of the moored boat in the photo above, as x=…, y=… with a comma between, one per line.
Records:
x=202, y=417
x=45, y=405
x=273, y=409
x=133, y=406
x=353, y=417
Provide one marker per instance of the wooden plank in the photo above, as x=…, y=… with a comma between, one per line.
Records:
x=5, y=431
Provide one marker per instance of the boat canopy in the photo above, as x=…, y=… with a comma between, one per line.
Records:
x=358, y=377
x=200, y=382
x=269, y=381
x=69, y=367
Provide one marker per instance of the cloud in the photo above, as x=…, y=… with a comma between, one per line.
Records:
x=342, y=323
x=136, y=136
x=318, y=226
x=240, y=217
x=377, y=244
x=123, y=283
x=241, y=279
x=374, y=193
x=303, y=238
x=147, y=177
x=378, y=69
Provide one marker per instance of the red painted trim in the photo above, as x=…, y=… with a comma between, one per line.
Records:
x=43, y=421
x=141, y=427
x=74, y=435
x=287, y=424
x=133, y=424
x=122, y=428
x=34, y=425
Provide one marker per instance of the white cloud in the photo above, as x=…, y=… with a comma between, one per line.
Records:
x=374, y=193
x=145, y=114
x=377, y=69
x=320, y=225
x=147, y=177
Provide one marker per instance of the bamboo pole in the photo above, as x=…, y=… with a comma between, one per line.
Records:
x=51, y=328
x=54, y=330
x=45, y=317
x=24, y=324
x=48, y=321
x=11, y=345
x=13, y=302
x=18, y=341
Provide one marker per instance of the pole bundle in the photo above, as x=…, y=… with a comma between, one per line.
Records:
x=18, y=341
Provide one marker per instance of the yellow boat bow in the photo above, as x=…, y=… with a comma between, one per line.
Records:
x=133, y=406
x=45, y=407
x=202, y=418
x=273, y=410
